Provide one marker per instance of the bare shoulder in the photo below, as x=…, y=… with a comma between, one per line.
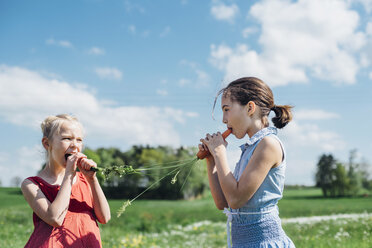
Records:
x=270, y=148
x=270, y=143
x=28, y=188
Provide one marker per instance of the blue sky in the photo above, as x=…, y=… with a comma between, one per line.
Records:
x=147, y=72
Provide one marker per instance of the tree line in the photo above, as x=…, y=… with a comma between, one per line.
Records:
x=191, y=182
x=338, y=179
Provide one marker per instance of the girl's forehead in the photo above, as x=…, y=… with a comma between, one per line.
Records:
x=226, y=100
x=71, y=127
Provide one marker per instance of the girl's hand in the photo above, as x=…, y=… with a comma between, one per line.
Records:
x=71, y=164
x=214, y=143
x=84, y=166
x=209, y=157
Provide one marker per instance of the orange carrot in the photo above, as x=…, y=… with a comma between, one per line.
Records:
x=205, y=153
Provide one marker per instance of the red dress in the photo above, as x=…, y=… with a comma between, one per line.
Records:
x=79, y=228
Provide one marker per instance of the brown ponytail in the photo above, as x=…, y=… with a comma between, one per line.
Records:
x=283, y=115
x=253, y=89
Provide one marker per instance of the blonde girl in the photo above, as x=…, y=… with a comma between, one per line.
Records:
x=66, y=204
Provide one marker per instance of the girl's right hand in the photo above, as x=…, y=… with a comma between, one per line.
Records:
x=209, y=158
x=214, y=142
x=71, y=163
x=203, y=148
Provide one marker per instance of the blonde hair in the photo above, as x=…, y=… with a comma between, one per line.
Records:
x=52, y=124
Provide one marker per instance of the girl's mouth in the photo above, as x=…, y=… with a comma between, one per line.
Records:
x=67, y=155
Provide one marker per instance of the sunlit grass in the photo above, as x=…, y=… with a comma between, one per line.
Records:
x=197, y=223
x=343, y=233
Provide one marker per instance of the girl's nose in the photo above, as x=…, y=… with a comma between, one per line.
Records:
x=73, y=143
x=224, y=120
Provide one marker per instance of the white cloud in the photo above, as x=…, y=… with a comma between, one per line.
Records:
x=224, y=12
x=61, y=43
x=304, y=142
x=96, y=51
x=202, y=78
x=28, y=97
x=248, y=31
x=132, y=29
x=31, y=157
x=146, y=33
x=314, y=114
x=300, y=172
x=299, y=39
x=162, y=92
x=133, y=7
x=165, y=31
x=109, y=73
x=24, y=162
x=192, y=114
x=370, y=75
x=369, y=29
x=312, y=136
x=183, y=81
x=367, y=52
x=364, y=60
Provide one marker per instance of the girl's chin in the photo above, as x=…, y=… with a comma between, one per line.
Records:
x=239, y=136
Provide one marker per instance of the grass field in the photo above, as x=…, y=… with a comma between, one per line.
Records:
x=198, y=223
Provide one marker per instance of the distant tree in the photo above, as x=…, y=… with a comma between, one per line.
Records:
x=324, y=174
x=341, y=181
x=191, y=181
x=354, y=174
x=365, y=168
x=16, y=181
x=338, y=179
x=91, y=154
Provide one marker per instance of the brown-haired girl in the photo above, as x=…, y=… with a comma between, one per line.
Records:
x=66, y=203
x=249, y=196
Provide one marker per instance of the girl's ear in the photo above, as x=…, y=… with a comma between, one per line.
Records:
x=45, y=143
x=251, y=108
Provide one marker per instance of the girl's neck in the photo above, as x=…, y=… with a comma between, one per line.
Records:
x=256, y=126
x=53, y=171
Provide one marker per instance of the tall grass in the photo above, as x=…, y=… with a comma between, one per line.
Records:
x=198, y=223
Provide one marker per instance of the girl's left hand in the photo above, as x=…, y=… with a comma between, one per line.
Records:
x=84, y=165
x=215, y=142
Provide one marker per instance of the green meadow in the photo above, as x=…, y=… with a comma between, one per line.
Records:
x=197, y=223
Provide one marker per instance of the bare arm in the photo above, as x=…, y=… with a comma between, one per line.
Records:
x=52, y=213
x=267, y=154
x=214, y=184
x=100, y=204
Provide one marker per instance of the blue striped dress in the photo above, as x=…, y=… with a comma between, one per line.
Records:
x=257, y=223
